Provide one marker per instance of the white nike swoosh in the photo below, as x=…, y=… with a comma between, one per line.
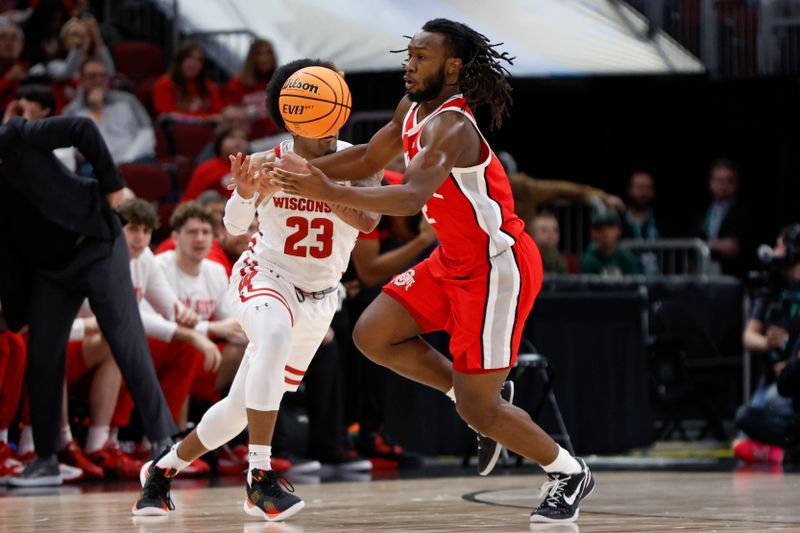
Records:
x=571, y=499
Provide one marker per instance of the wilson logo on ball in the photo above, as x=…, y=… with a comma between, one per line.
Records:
x=296, y=83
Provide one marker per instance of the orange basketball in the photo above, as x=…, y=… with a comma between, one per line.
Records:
x=315, y=102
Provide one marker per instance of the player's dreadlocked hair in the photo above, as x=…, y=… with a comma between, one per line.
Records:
x=279, y=77
x=483, y=79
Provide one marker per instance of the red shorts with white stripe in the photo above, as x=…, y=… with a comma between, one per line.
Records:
x=484, y=312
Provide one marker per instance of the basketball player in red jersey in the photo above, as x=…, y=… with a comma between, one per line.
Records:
x=480, y=284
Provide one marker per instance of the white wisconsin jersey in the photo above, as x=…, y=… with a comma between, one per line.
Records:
x=204, y=293
x=304, y=238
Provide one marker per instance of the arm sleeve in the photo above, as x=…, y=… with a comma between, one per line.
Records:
x=158, y=327
x=57, y=132
x=158, y=292
x=67, y=68
x=239, y=213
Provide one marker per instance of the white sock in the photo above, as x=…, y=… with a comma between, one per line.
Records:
x=25, y=441
x=451, y=394
x=96, y=438
x=113, y=435
x=564, y=463
x=4, y=435
x=66, y=436
x=145, y=444
x=172, y=460
x=259, y=456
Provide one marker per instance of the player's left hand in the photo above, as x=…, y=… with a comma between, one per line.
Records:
x=313, y=184
x=185, y=316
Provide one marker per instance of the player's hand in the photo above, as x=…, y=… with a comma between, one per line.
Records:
x=312, y=184
x=242, y=179
x=185, y=316
x=211, y=355
x=292, y=162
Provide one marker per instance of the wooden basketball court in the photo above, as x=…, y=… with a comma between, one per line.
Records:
x=623, y=501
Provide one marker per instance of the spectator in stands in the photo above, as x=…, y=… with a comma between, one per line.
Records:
x=545, y=231
x=640, y=220
x=43, y=29
x=122, y=120
x=80, y=41
x=531, y=193
x=215, y=174
x=35, y=102
x=233, y=115
x=215, y=203
x=723, y=223
x=248, y=86
x=178, y=352
x=185, y=90
x=604, y=255
x=13, y=69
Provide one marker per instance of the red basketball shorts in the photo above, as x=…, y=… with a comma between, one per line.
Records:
x=484, y=312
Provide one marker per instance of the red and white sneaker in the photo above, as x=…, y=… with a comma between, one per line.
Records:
x=9, y=465
x=279, y=464
x=116, y=463
x=751, y=451
x=230, y=463
x=72, y=455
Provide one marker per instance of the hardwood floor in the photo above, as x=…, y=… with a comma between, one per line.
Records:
x=622, y=502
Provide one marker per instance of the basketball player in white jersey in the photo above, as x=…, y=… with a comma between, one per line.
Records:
x=283, y=291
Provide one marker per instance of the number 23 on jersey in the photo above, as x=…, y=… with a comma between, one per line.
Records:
x=311, y=237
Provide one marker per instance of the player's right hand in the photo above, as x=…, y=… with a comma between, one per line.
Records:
x=211, y=354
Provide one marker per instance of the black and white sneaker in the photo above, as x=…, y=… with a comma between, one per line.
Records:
x=155, y=499
x=562, y=495
x=488, y=449
x=267, y=499
x=41, y=472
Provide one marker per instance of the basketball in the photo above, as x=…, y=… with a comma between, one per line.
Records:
x=315, y=102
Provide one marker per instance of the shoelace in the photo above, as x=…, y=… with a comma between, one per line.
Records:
x=554, y=489
x=157, y=488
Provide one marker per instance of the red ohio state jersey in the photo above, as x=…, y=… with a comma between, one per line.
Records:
x=472, y=212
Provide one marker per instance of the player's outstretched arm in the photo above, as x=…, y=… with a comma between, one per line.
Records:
x=363, y=160
x=447, y=136
x=363, y=221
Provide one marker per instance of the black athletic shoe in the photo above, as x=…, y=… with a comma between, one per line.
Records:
x=154, y=500
x=267, y=499
x=41, y=472
x=489, y=449
x=563, y=493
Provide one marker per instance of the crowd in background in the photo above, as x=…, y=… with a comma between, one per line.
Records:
x=54, y=61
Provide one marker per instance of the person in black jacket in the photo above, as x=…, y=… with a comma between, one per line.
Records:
x=723, y=223
x=61, y=242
